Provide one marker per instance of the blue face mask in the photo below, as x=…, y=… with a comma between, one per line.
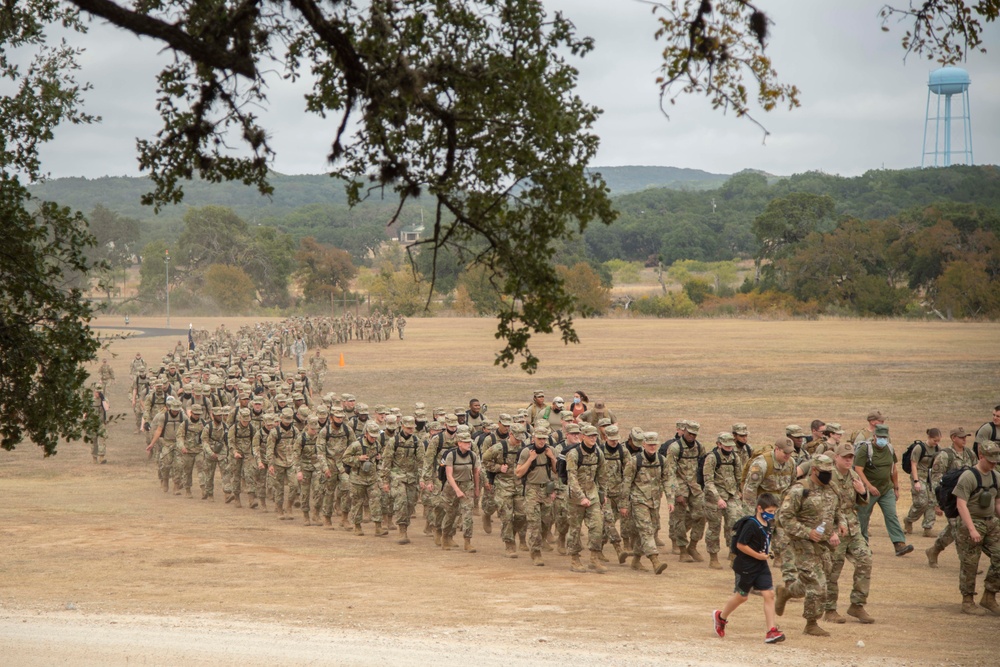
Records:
x=768, y=517
x=881, y=442
x=576, y=399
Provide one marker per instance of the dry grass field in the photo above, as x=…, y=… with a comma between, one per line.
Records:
x=98, y=567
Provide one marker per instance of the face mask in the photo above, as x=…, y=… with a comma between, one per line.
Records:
x=881, y=442
x=768, y=517
x=576, y=399
x=825, y=476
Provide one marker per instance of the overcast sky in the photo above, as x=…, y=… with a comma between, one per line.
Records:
x=862, y=106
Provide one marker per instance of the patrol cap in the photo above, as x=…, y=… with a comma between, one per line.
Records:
x=834, y=428
x=396, y=411
x=505, y=419
x=287, y=415
x=451, y=420
x=420, y=413
x=823, y=462
x=439, y=411
x=488, y=425
x=959, y=433
x=785, y=445
x=281, y=398
x=244, y=413
x=409, y=422
x=98, y=386
x=538, y=393
x=990, y=450
x=882, y=431
x=542, y=432
x=197, y=410
x=845, y=449
x=566, y=415
x=361, y=409
x=220, y=410
x=268, y=417
x=604, y=422
x=304, y=411
x=322, y=410
x=611, y=432
x=372, y=428
x=572, y=428
x=463, y=430
x=558, y=400
x=381, y=409
x=435, y=426
x=173, y=403
x=518, y=430
x=589, y=430
x=338, y=413
x=875, y=415
x=692, y=427
x=347, y=397
x=740, y=429
x=651, y=436
x=460, y=410
x=419, y=406
x=725, y=439
x=794, y=431
x=637, y=434
x=206, y=388
x=312, y=422
x=463, y=436
x=298, y=396
x=391, y=421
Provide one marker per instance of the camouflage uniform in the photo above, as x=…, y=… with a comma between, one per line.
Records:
x=364, y=480
x=506, y=487
x=947, y=460
x=337, y=489
x=437, y=448
x=538, y=489
x=317, y=372
x=766, y=475
x=982, y=506
x=245, y=457
x=615, y=495
x=647, y=478
x=465, y=469
x=401, y=465
x=107, y=375
x=682, y=459
x=171, y=423
x=922, y=502
x=721, y=472
x=216, y=449
x=853, y=545
x=585, y=474
x=313, y=468
x=281, y=462
x=98, y=445
x=189, y=453
x=806, y=506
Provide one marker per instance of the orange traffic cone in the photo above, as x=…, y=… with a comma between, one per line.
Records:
x=341, y=359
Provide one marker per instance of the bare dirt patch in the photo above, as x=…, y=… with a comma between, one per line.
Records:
x=158, y=579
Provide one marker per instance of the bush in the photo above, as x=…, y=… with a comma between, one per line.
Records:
x=671, y=304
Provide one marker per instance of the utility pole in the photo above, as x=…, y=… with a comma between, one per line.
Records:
x=166, y=265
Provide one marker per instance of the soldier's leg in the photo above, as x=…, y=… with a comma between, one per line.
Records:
x=562, y=516
x=929, y=516
x=947, y=535
x=611, y=514
x=643, y=517
x=305, y=488
x=467, y=504
x=165, y=461
x=357, y=504
x=682, y=512
x=860, y=554
x=812, y=577
x=505, y=510
x=227, y=475
x=781, y=549
x=330, y=493
x=278, y=487
x=968, y=560
x=837, y=559
x=400, y=508
x=535, y=508
x=696, y=517
x=594, y=519
x=574, y=522
x=235, y=467
x=411, y=500
x=208, y=479
x=713, y=527
x=375, y=503
x=918, y=505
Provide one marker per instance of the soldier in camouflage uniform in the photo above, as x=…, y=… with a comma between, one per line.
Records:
x=281, y=461
x=723, y=498
x=811, y=518
x=462, y=469
x=922, y=501
x=977, y=496
x=154, y=404
x=559, y=514
x=682, y=459
x=216, y=451
x=265, y=489
x=536, y=466
x=165, y=428
x=437, y=447
x=500, y=464
x=312, y=471
x=648, y=477
x=189, y=452
x=336, y=436
x=798, y=437
x=615, y=504
x=360, y=459
x=948, y=459
x=402, y=460
x=141, y=387
x=773, y=472
x=107, y=375
x=585, y=476
x=851, y=494
x=245, y=460
x=317, y=373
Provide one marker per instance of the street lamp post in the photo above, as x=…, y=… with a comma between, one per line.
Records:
x=166, y=265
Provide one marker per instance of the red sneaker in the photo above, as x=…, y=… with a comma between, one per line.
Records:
x=720, y=623
x=774, y=635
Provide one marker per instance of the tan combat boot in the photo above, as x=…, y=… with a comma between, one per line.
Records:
x=403, y=537
x=928, y=532
x=253, y=501
x=509, y=550
x=831, y=616
x=812, y=628
x=229, y=499
x=536, y=558
x=343, y=521
x=989, y=602
x=305, y=518
x=328, y=522
x=263, y=503
x=674, y=549
x=575, y=565
x=637, y=563
x=561, y=549
x=907, y=526
x=657, y=540
x=781, y=597
x=522, y=545
x=357, y=530
x=315, y=518
x=858, y=612
x=379, y=530
x=446, y=543
x=694, y=553
x=595, y=562
x=428, y=530
x=187, y=492
x=488, y=524
x=280, y=511
x=600, y=556
x=620, y=552
x=713, y=562
x=165, y=486
x=468, y=548
x=658, y=567
x=437, y=537
x=932, y=555
x=177, y=489
x=95, y=459
x=685, y=555
x=101, y=460
x=236, y=500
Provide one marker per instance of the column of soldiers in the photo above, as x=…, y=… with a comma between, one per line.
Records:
x=275, y=438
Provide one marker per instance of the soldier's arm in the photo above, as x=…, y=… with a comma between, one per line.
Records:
x=754, y=477
x=938, y=469
x=255, y=448
x=572, y=478
x=788, y=514
x=490, y=458
x=387, y=456
x=708, y=472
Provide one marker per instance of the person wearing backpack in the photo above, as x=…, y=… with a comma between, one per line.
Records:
x=536, y=467
x=951, y=458
x=584, y=479
x=750, y=544
x=977, y=495
x=920, y=455
x=560, y=514
x=682, y=459
x=772, y=470
x=723, y=502
x=648, y=477
x=674, y=520
x=462, y=470
x=875, y=462
x=400, y=473
x=359, y=457
x=990, y=430
x=500, y=463
x=615, y=504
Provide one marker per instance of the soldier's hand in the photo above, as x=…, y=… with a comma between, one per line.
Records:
x=532, y=454
x=859, y=486
x=814, y=536
x=328, y=474
x=670, y=508
x=270, y=470
x=722, y=504
x=459, y=494
x=260, y=466
x=237, y=455
x=843, y=531
x=873, y=491
x=834, y=539
x=150, y=447
x=585, y=502
x=623, y=511
x=938, y=511
x=503, y=468
x=681, y=500
x=385, y=487
x=363, y=457
x=975, y=536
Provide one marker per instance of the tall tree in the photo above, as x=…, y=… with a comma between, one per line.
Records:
x=323, y=270
x=787, y=221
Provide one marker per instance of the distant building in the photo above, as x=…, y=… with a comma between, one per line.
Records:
x=410, y=234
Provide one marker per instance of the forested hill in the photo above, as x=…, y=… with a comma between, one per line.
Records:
x=122, y=194
x=716, y=224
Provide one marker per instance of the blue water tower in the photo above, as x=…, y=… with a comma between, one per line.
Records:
x=944, y=84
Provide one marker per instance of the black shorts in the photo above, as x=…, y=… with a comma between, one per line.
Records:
x=760, y=580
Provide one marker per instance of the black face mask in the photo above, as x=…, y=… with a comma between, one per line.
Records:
x=362, y=418
x=825, y=476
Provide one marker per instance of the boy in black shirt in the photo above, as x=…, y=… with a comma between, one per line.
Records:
x=753, y=544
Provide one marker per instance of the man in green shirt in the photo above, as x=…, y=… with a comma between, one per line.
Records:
x=875, y=462
x=977, y=497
